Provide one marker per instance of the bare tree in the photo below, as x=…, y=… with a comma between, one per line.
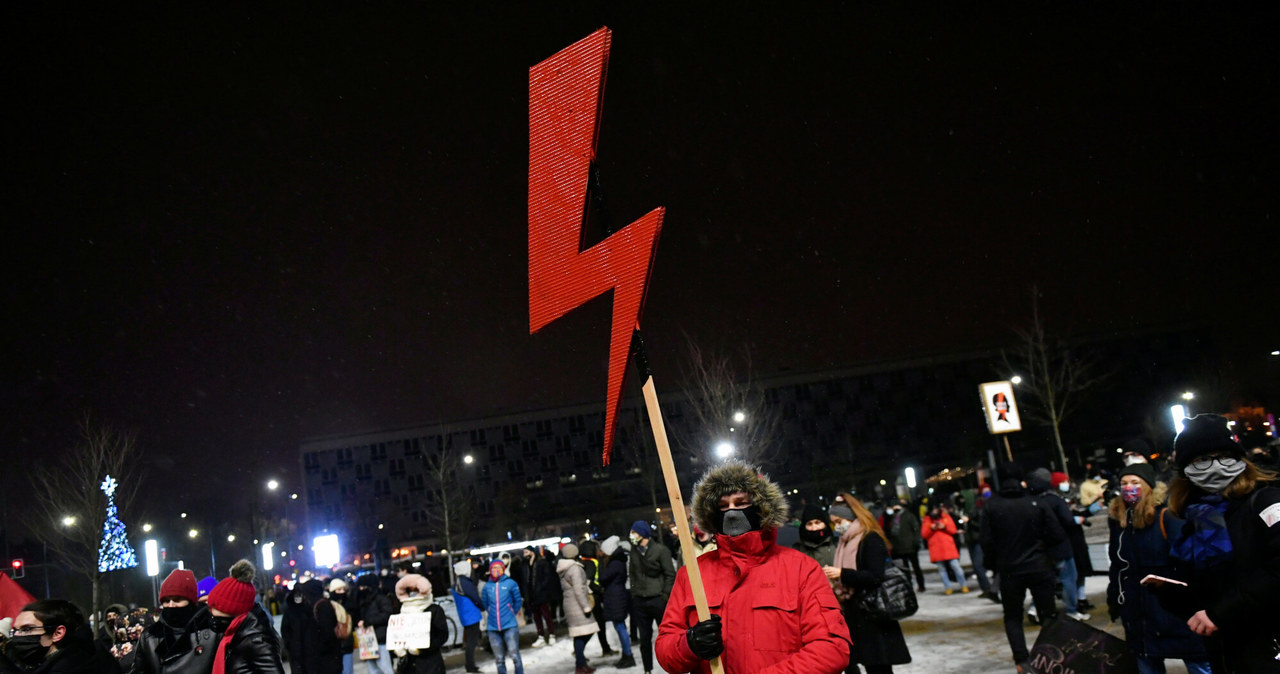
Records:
x=71, y=504
x=451, y=506
x=727, y=405
x=1054, y=375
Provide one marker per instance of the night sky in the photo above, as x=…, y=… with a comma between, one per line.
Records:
x=230, y=231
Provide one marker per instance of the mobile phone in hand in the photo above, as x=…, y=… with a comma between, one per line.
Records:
x=1152, y=580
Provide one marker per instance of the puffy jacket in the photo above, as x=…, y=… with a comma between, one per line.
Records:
x=544, y=585
x=652, y=571
x=467, y=600
x=502, y=600
x=942, y=542
x=613, y=578
x=778, y=611
x=1043, y=494
x=577, y=598
x=1149, y=629
x=903, y=530
x=1018, y=532
x=375, y=606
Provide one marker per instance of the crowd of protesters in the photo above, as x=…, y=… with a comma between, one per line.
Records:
x=1194, y=575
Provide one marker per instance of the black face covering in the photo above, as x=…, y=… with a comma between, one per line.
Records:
x=738, y=522
x=178, y=616
x=220, y=623
x=815, y=536
x=26, y=650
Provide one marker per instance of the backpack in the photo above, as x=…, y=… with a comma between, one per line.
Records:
x=343, y=629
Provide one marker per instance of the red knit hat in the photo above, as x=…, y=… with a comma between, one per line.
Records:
x=235, y=595
x=1057, y=479
x=180, y=583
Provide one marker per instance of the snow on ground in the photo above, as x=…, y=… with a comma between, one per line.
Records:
x=959, y=634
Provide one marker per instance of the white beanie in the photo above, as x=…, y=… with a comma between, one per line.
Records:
x=462, y=568
x=609, y=545
x=337, y=584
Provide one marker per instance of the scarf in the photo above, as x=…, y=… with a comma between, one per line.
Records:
x=847, y=558
x=220, y=660
x=1205, y=541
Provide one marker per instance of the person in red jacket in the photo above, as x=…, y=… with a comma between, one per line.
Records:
x=772, y=608
x=939, y=532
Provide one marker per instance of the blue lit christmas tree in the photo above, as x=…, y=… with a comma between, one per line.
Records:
x=114, y=552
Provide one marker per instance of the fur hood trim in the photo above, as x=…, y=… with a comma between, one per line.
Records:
x=733, y=476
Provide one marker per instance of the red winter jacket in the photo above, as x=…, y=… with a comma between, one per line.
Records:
x=778, y=611
x=942, y=542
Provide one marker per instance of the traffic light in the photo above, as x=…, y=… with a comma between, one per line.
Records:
x=18, y=569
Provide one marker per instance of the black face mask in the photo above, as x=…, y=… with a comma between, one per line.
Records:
x=220, y=623
x=815, y=536
x=738, y=522
x=26, y=650
x=178, y=616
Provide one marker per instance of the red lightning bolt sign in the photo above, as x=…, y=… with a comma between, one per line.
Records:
x=565, y=95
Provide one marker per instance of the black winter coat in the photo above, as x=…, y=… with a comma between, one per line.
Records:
x=613, y=579
x=875, y=642
x=1149, y=629
x=428, y=660
x=1240, y=596
x=312, y=649
x=1062, y=513
x=544, y=584
x=170, y=650
x=1018, y=531
x=253, y=648
x=903, y=530
x=78, y=653
x=375, y=610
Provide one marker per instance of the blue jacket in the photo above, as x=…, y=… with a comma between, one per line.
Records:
x=467, y=600
x=502, y=600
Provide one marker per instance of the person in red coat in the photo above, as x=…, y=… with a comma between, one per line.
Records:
x=939, y=531
x=772, y=608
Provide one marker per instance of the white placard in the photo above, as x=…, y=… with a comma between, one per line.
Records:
x=1000, y=406
x=409, y=630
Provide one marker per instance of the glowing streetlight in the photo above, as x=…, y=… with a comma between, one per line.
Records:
x=147, y=527
x=293, y=497
x=273, y=485
x=231, y=538
x=1188, y=395
x=724, y=450
x=883, y=483
x=69, y=521
x=468, y=459
x=1015, y=380
x=739, y=417
x=193, y=533
x=184, y=516
x=910, y=474
x=1179, y=414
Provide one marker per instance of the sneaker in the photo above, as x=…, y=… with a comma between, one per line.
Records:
x=948, y=592
x=626, y=661
x=1085, y=605
x=538, y=642
x=964, y=590
x=551, y=639
x=1078, y=616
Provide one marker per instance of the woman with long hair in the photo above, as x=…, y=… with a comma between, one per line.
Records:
x=1229, y=549
x=1140, y=526
x=861, y=556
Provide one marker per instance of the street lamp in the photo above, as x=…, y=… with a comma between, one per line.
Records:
x=69, y=521
x=231, y=538
x=724, y=449
x=1015, y=380
x=910, y=474
x=1179, y=414
x=468, y=459
x=147, y=527
x=1188, y=395
x=272, y=485
x=193, y=533
x=739, y=417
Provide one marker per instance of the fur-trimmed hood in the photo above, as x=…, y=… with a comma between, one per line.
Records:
x=733, y=476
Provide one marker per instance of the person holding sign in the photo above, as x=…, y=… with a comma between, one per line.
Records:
x=502, y=601
x=772, y=608
x=419, y=630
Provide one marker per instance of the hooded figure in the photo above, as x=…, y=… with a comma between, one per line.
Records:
x=414, y=593
x=816, y=538
x=771, y=606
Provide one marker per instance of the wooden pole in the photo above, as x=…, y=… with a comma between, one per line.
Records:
x=677, y=507
x=1007, y=451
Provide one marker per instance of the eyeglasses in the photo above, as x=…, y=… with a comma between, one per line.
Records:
x=28, y=629
x=1206, y=462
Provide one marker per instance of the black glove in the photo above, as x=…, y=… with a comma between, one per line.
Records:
x=704, y=638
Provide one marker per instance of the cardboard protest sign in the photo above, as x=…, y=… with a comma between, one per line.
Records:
x=1000, y=406
x=409, y=630
x=1068, y=646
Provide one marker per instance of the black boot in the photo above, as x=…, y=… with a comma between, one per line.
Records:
x=626, y=661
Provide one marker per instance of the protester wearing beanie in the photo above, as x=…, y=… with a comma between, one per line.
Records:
x=816, y=538
x=204, y=587
x=167, y=644
x=502, y=601
x=652, y=570
x=1141, y=529
x=466, y=597
x=246, y=644
x=1229, y=549
x=374, y=609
